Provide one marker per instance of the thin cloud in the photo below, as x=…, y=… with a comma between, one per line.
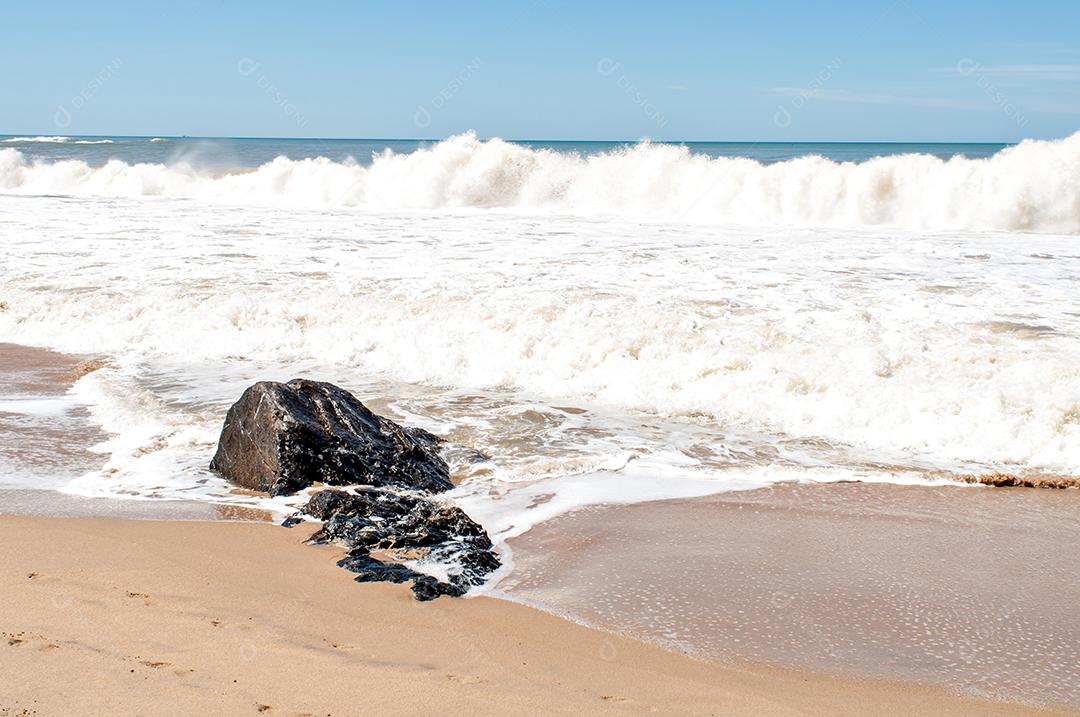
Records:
x=1028, y=71
x=1061, y=73
x=1042, y=48
x=678, y=88
x=850, y=97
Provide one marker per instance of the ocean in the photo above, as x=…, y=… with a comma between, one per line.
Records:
x=611, y=322
x=601, y=315
x=594, y=314
x=229, y=153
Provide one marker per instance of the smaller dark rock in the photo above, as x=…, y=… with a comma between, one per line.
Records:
x=403, y=524
x=294, y=519
x=428, y=588
x=370, y=570
x=324, y=504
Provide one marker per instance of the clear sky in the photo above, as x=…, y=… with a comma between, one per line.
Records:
x=770, y=70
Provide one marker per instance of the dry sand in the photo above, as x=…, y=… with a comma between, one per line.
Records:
x=106, y=616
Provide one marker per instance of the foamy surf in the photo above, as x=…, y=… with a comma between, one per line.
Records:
x=486, y=293
x=1029, y=187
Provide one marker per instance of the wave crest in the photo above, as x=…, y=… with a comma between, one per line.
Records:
x=1033, y=186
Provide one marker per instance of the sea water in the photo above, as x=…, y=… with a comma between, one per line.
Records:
x=610, y=322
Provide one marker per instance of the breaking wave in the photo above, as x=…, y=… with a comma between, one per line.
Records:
x=1033, y=186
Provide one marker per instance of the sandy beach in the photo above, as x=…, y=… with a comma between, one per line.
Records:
x=112, y=606
x=105, y=616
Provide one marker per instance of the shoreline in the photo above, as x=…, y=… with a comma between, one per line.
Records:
x=178, y=616
x=746, y=675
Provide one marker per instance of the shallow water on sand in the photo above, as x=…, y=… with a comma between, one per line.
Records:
x=974, y=589
x=48, y=439
x=46, y=436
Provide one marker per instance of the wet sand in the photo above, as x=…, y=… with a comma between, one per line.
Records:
x=974, y=589
x=46, y=439
x=104, y=617
x=54, y=504
x=43, y=436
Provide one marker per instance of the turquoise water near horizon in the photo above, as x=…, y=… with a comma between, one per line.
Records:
x=238, y=152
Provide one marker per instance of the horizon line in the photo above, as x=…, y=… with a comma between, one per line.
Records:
x=509, y=139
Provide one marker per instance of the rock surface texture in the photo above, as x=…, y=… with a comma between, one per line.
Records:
x=368, y=520
x=283, y=437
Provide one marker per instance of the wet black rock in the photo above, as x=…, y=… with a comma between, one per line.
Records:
x=383, y=519
x=424, y=587
x=294, y=519
x=404, y=526
x=282, y=437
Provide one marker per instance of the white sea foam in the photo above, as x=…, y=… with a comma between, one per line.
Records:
x=1029, y=187
x=35, y=406
x=57, y=140
x=49, y=140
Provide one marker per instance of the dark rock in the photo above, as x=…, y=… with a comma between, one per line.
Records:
x=380, y=519
x=294, y=519
x=369, y=570
x=428, y=588
x=404, y=525
x=282, y=437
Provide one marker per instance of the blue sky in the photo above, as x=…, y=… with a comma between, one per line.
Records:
x=906, y=70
